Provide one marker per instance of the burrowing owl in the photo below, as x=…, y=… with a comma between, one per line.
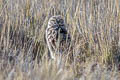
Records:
x=57, y=37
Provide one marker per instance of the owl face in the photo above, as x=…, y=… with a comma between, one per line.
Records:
x=56, y=21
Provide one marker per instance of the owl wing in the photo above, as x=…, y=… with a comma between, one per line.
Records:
x=51, y=34
x=58, y=35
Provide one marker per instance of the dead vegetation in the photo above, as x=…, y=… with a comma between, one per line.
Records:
x=94, y=26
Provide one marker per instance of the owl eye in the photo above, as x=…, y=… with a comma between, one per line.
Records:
x=61, y=21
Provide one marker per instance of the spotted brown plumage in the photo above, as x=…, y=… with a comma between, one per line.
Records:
x=57, y=37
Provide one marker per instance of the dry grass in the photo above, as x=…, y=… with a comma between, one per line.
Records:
x=94, y=26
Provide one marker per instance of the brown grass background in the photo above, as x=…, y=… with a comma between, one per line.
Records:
x=94, y=26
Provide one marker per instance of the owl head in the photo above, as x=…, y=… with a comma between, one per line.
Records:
x=56, y=21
